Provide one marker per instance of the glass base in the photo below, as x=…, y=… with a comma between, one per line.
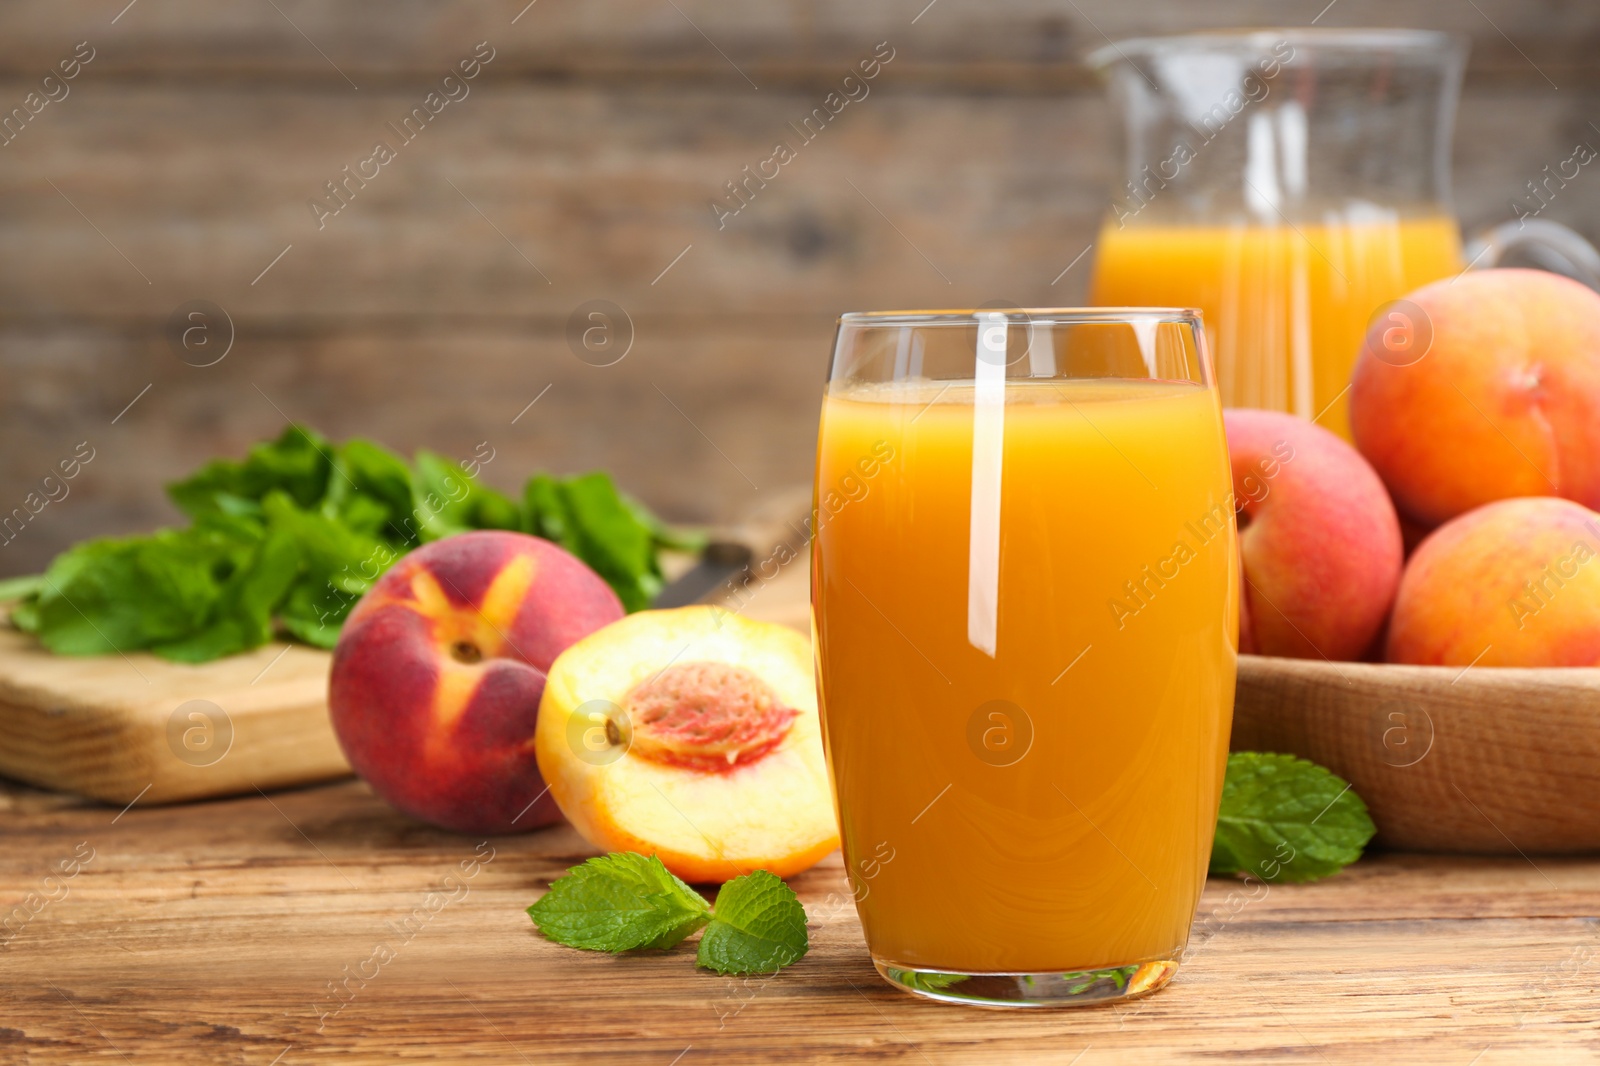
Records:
x=1081, y=988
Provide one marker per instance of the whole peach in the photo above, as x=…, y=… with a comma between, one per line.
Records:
x=440, y=668
x=1513, y=583
x=1318, y=539
x=1481, y=388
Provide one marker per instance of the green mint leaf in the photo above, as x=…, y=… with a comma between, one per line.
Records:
x=608, y=535
x=296, y=463
x=1285, y=819
x=544, y=511
x=610, y=532
x=449, y=500
x=758, y=926
x=15, y=588
x=371, y=492
x=619, y=902
x=673, y=538
x=241, y=619
x=120, y=594
x=25, y=615
x=337, y=564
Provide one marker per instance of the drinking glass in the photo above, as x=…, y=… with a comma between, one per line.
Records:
x=1025, y=598
x=1293, y=183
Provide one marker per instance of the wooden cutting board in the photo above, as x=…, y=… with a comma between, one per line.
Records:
x=121, y=727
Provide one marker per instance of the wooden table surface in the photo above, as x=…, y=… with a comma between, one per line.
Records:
x=321, y=926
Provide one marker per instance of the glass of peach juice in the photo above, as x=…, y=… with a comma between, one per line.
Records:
x=1025, y=596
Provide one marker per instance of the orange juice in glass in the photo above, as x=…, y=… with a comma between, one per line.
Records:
x=1026, y=632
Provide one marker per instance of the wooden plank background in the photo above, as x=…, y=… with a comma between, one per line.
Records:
x=432, y=310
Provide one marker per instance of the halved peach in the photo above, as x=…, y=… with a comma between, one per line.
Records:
x=690, y=734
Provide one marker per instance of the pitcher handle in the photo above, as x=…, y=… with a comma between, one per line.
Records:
x=1547, y=245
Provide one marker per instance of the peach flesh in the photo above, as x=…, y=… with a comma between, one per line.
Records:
x=774, y=812
x=706, y=716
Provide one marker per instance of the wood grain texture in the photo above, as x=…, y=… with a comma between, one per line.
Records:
x=591, y=148
x=1010, y=43
x=592, y=193
x=119, y=727
x=1494, y=760
x=222, y=932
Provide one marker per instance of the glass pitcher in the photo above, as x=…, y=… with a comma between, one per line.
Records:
x=1291, y=184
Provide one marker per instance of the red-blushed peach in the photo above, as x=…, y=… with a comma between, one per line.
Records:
x=1319, y=541
x=1512, y=583
x=1494, y=393
x=440, y=668
x=691, y=734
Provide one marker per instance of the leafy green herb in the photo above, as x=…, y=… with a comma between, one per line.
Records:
x=450, y=502
x=1285, y=819
x=619, y=902
x=284, y=541
x=337, y=563
x=108, y=595
x=14, y=588
x=759, y=927
x=241, y=616
x=623, y=901
x=588, y=516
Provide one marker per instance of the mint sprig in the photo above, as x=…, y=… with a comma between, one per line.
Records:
x=624, y=902
x=619, y=902
x=1285, y=819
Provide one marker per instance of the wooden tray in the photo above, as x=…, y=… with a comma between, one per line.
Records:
x=1490, y=760
x=126, y=727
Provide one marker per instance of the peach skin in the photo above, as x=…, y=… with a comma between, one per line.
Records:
x=1481, y=388
x=1513, y=583
x=439, y=671
x=691, y=734
x=1318, y=539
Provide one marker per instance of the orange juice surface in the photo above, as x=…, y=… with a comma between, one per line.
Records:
x=1285, y=308
x=1026, y=664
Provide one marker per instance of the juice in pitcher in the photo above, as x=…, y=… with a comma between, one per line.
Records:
x=1290, y=183
x=1026, y=632
x=1285, y=307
